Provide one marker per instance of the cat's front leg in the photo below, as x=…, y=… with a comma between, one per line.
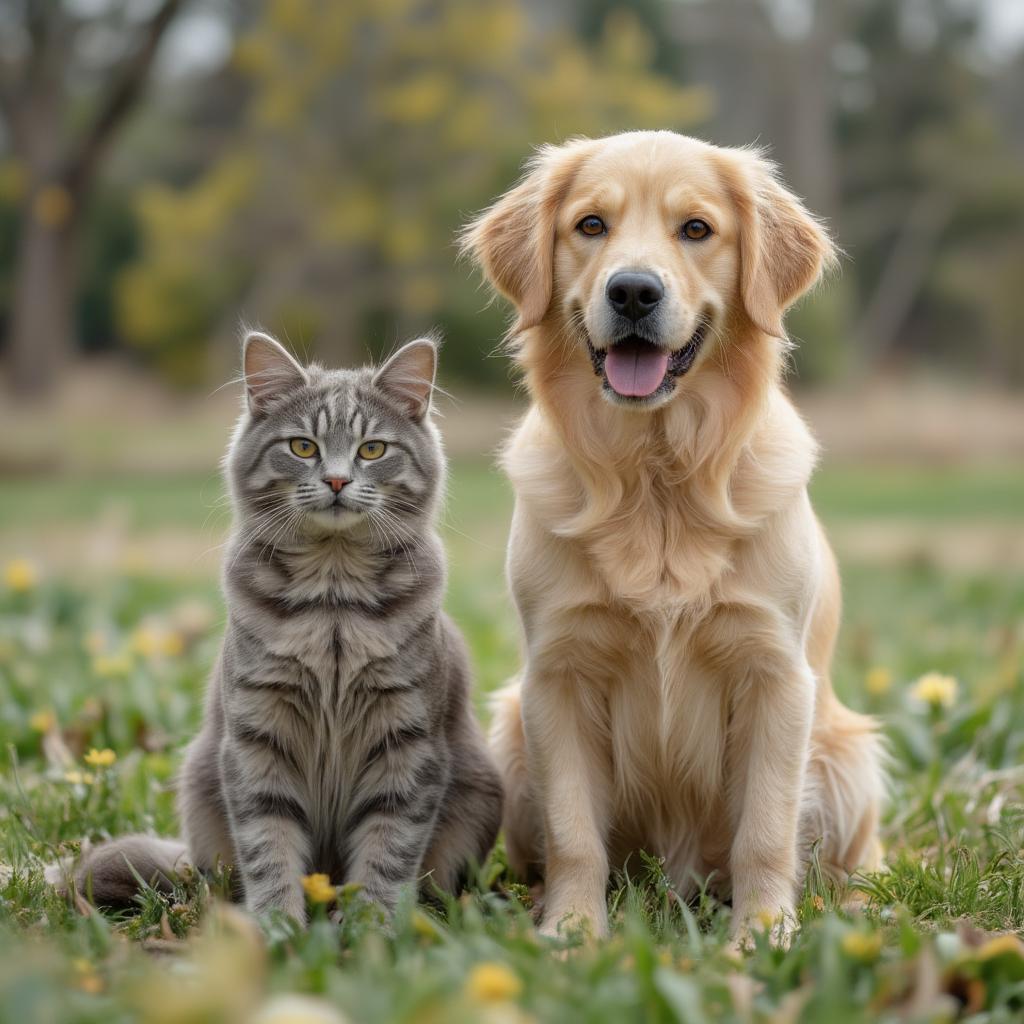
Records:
x=393, y=821
x=269, y=823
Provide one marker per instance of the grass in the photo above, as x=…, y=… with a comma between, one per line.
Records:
x=119, y=661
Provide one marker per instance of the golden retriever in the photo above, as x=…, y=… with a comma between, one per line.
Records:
x=678, y=598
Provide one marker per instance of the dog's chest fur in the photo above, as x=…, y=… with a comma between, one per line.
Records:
x=656, y=569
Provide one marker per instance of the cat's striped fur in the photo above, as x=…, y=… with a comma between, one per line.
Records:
x=338, y=735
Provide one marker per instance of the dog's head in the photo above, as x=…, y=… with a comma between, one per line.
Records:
x=645, y=251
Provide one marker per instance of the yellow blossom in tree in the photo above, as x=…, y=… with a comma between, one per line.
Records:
x=100, y=758
x=42, y=721
x=318, y=888
x=935, y=689
x=878, y=680
x=492, y=983
x=77, y=778
x=20, y=575
x=52, y=205
x=863, y=946
x=12, y=180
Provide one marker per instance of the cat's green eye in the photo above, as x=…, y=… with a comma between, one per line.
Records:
x=372, y=449
x=303, y=447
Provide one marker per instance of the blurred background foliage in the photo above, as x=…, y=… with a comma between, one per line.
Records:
x=167, y=168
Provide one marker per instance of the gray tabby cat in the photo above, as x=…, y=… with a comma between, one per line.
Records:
x=338, y=735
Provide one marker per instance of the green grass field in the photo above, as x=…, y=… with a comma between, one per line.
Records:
x=91, y=661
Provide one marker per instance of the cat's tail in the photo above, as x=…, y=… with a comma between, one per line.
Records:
x=108, y=875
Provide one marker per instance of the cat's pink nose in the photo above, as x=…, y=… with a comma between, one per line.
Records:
x=335, y=482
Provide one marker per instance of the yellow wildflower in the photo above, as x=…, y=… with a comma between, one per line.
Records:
x=1001, y=944
x=20, y=575
x=42, y=721
x=296, y=1009
x=154, y=642
x=424, y=925
x=77, y=778
x=146, y=641
x=173, y=644
x=878, y=680
x=100, y=758
x=318, y=888
x=935, y=689
x=95, y=642
x=492, y=983
x=88, y=980
x=863, y=946
x=112, y=665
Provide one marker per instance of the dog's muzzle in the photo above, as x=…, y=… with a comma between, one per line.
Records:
x=639, y=370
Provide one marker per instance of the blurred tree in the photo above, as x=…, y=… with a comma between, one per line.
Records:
x=372, y=130
x=933, y=189
x=52, y=55
x=893, y=123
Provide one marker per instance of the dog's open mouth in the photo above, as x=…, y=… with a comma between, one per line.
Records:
x=638, y=369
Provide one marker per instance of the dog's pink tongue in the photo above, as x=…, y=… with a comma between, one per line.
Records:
x=635, y=369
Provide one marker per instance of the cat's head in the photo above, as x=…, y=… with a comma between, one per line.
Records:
x=322, y=451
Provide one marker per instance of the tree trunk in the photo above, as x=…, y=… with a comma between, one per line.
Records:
x=41, y=336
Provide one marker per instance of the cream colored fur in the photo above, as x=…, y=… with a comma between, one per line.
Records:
x=678, y=598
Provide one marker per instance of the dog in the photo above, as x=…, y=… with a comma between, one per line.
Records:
x=678, y=598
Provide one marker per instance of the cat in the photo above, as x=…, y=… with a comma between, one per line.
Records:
x=338, y=734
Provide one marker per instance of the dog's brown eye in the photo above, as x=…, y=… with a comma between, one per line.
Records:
x=591, y=226
x=695, y=230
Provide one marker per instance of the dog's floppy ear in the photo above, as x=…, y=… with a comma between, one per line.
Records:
x=783, y=249
x=514, y=240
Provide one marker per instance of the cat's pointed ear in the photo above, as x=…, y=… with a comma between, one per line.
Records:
x=269, y=370
x=408, y=377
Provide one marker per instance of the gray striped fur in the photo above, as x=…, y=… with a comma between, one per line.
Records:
x=338, y=735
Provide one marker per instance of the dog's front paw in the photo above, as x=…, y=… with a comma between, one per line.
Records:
x=574, y=924
x=780, y=926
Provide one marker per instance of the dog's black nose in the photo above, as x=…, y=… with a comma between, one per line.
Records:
x=634, y=293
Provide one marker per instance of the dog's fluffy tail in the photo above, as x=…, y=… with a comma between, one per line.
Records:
x=521, y=822
x=108, y=874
